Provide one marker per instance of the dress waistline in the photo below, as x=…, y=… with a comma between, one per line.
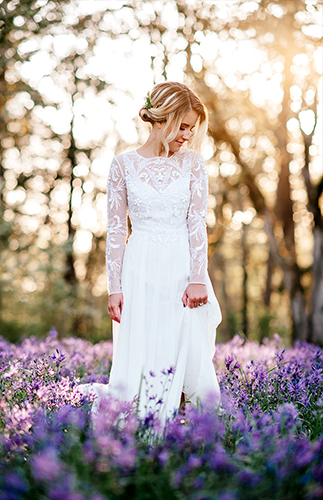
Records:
x=161, y=234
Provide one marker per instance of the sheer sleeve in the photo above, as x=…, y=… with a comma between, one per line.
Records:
x=117, y=226
x=196, y=221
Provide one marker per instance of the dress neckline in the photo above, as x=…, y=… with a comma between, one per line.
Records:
x=155, y=157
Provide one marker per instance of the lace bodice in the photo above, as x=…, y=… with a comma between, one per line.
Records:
x=166, y=198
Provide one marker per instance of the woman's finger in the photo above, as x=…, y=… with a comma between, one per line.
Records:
x=114, y=313
x=184, y=299
x=115, y=305
x=193, y=303
x=199, y=302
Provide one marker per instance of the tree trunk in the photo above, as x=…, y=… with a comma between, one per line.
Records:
x=284, y=204
x=70, y=275
x=316, y=314
x=297, y=302
x=314, y=192
x=244, y=283
x=3, y=131
x=270, y=270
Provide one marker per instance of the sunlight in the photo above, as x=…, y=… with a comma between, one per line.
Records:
x=18, y=195
x=47, y=87
x=88, y=216
x=83, y=241
x=40, y=64
x=32, y=207
x=124, y=67
x=307, y=121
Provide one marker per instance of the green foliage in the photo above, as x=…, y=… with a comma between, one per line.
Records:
x=70, y=309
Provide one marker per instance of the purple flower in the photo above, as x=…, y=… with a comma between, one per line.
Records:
x=53, y=334
x=46, y=465
x=14, y=486
x=287, y=416
x=58, y=357
x=169, y=371
x=163, y=458
x=179, y=476
x=150, y=421
x=194, y=462
x=249, y=478
x=231, y=364
x=219, y=460
x=127, y=458
x=227, y=495
x=269, y=420
x=63, y=490
x=199, y=483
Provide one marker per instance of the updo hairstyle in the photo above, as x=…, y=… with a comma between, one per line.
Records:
x=170, y=101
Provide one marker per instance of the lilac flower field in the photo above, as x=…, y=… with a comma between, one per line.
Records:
x=264, y=442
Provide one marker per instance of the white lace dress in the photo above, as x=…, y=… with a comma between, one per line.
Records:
x=160, y=348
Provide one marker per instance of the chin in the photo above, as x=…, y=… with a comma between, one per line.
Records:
x=177, y=147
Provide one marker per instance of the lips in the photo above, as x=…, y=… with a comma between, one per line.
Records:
x=180, y=143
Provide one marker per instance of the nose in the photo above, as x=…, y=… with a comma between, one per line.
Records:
x=186, y=135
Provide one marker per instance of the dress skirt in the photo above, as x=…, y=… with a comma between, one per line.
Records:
x=160, y=348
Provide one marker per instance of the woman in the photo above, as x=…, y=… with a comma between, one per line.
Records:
x=161, y=300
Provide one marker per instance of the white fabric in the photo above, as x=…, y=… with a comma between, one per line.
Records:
x=167, y=250
x=164, y=196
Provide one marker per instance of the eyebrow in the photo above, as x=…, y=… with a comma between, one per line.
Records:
x=186, y=125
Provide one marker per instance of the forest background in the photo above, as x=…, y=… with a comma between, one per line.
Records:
x=73, y=76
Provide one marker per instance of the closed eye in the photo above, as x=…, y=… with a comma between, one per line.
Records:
x=183, y=127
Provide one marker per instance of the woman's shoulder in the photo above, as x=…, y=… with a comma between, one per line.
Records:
x=188, y=155
x=123, y=160
x=121, y=157
x=191, y=156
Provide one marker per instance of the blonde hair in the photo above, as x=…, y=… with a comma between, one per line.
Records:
x=170, y=101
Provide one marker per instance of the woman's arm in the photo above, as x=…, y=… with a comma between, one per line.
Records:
x=116, y=236
x=196, y=293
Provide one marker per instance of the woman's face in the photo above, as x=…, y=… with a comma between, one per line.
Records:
x=184, y=133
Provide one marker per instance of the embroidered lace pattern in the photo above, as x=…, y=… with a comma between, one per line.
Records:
x=166, y=198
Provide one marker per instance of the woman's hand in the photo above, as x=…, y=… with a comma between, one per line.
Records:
x=195, y=295
x=115, y=306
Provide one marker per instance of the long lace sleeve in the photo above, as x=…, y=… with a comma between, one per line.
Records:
x=117, y=226
x=196, y=221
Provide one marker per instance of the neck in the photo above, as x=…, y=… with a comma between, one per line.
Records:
x=153, y=146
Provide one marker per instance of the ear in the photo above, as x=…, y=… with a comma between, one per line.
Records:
x=160, y=125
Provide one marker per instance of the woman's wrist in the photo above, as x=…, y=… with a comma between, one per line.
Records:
x=114, y=293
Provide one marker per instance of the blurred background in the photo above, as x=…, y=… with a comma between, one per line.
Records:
x=73, y=76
